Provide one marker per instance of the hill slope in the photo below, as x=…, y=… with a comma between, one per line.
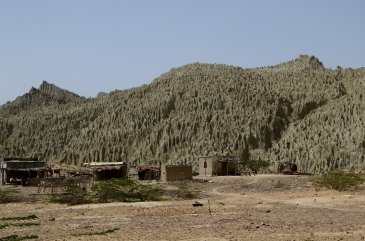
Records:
x=297, y=111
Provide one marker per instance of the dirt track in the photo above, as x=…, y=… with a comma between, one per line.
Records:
x=263, y=207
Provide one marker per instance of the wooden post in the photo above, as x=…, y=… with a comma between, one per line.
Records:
x=2, y=182
x=205, y=167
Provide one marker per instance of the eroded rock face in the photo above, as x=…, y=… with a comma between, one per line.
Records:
x=297, y=111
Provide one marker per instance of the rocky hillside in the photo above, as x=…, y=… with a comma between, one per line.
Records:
x=296, y=111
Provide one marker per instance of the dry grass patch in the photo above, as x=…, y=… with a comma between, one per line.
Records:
x=340, y=181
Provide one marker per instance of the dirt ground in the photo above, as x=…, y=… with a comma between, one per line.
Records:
x=261, y=207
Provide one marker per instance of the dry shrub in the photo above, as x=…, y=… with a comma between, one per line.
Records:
x=9, y=195
x=186, y=191
x=124, y=190
x=114, y=190
x=339, y=180
x=18, y=238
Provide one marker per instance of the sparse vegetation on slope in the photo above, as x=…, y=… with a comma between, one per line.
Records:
x=296, y=111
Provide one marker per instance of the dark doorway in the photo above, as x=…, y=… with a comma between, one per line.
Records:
x=224, y=168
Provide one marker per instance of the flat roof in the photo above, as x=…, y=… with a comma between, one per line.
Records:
x=179, y=165
x=218, y=156
x=18, y=165
x=27, y=169
x=100, y=164
x=20, y=161
x=6, y=159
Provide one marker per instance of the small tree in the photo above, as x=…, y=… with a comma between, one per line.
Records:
x=256, y=165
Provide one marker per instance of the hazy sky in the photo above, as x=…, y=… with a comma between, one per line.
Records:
x=87, y=46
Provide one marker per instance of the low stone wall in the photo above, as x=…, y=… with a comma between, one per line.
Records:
x=176, y=173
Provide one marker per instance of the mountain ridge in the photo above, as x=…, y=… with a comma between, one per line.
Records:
x=285, y=112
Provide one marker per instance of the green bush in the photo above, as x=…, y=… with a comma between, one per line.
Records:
x=114, y=190
x=123, y=190
x=256, y=165
x=74, y=195
x=339, y=180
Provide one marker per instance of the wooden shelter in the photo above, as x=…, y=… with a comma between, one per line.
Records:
x=17, y=170
x=107, y=170
x=148, y=172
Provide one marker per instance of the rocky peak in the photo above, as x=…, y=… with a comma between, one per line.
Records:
x=55, y=91
x=101, y=94
x=303, y=62
x=49, y=88
x=310, y=61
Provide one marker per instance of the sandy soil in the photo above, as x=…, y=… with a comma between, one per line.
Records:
x=262, y=207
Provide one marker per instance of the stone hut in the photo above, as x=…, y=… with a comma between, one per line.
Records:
x=218, y=165
x=176, y=172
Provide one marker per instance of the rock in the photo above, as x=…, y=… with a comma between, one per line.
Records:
x=197, y=204
x=101, y=94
